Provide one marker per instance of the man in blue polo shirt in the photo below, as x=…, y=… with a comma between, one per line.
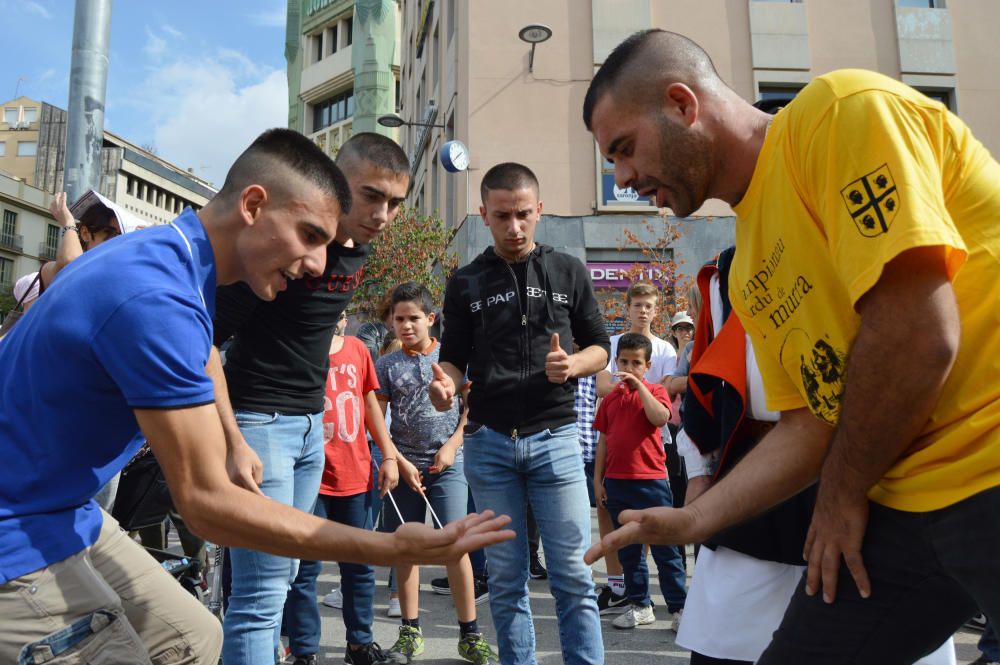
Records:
x=126, y=339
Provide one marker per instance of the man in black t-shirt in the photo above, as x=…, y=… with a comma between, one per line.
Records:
x=276, y=370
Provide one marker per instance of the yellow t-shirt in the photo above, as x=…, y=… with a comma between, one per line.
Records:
x=858, y=169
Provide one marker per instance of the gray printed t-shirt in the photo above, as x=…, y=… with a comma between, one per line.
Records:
x=417, y=428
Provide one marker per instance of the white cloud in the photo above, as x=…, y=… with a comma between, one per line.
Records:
x=36, y=8
x=205, y=111
x=155, y=45
x=272, y=17
x=172, y=31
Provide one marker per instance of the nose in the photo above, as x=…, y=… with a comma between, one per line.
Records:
x=624, y=174
x=314, y=262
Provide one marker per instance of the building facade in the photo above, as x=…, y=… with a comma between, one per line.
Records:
x=464, y=67
x=343, y=67
x=28, y=233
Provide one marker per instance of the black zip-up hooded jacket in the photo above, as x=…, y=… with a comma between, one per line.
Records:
x=498, y=330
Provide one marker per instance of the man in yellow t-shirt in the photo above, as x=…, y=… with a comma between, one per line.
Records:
x=867, y=274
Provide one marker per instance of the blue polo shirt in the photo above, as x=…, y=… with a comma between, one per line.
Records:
x=126, y=326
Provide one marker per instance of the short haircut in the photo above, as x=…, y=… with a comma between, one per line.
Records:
x=640, y=289
x=509, y=176
x=275, y=153
x=413, y=292
x=377, y=150
x=634, y=342
x=655, y=56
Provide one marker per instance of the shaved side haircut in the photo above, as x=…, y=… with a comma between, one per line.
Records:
x=640, y=66
x=509, y=176
x=378, y=150
x=276, y=159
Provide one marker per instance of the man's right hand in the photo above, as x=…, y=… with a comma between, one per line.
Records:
x=442, y=389
x=418, y=543
x=652, y=526
x=60, y=211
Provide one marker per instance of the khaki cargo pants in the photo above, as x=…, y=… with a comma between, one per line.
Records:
x=111, y=603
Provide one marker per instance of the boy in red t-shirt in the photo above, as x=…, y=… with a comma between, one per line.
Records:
x=344, y=497
x=630, y=474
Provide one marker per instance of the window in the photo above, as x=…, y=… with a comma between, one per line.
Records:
x=331, y=35
x=333, y=110
x=10, y=116
x=9, y=228
x=30, y=115
x=51, y=237
x=317, y=47
x=768, y=92
x=435, y=60
x=6, y=273
x=27, y=148
x=940, y=95
x=921, y=4
x=349, y=31
x=451, y=19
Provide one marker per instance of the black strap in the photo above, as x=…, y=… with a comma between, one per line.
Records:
x=20, y=302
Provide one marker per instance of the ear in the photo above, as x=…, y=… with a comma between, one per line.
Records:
x=539, y=207
x=482, y=213
x=252, y=199
x=431, y=318
x=681, y=103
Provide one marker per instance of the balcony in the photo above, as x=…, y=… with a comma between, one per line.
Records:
x=12, y=242
x=47, y=251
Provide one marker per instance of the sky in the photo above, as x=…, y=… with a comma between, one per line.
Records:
x=197, y=81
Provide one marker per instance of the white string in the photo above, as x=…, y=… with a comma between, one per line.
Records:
x=432, y=510
x=401, y=520
x=389, y=494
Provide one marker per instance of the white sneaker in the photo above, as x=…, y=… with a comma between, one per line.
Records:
x=676, y=618
x=334, y=599
x=635, y=616
x=393, y=610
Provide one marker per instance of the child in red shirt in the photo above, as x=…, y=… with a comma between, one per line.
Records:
x=630, y=474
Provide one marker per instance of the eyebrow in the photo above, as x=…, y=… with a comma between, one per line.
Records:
x=320, y=231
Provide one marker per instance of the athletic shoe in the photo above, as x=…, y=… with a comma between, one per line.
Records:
x=369, y=654
x=676, y=619
x=474, y=648
x=537, y=570
x=440, y=585
x=481, y=588
x=305, y=660
x=983, y=660
x=609, y=602
x=408, y=646
x=393, y=611
x=635, y=616
x=334, y=599
x=977, y=622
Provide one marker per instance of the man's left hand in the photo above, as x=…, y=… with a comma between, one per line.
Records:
x=558, y=363
x=837, y=530
x=244, y=466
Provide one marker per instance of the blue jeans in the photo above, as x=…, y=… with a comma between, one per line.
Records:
x=636, y=495
x=989, y=644
x=477, y=558
x=291, y=450
x=357, y=582
x=546, y=469
x=447, y=492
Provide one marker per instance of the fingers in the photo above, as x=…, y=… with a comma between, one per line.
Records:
x=628, y=534
x=555, y=343
x=439, y=374
x=856, y=565
x=249, y=482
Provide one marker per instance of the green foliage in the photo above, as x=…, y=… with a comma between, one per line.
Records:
x=413, y=247
x=7, y=301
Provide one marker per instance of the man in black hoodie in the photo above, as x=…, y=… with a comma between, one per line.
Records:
x=509, y=316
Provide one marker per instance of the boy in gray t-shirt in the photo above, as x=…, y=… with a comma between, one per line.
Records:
x=432, y=441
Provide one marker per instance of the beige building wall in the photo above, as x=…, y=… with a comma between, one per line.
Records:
x=19, y=124
x=489, y=99
x=24, y=230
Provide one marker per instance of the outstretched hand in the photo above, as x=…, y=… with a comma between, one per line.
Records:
x=837, y=530
x=442, y=389
x=558, y=363
x=417, y=543
x=652, y=526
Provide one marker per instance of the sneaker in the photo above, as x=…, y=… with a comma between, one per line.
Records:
x=977, y=622
x=334, y=599
x=305, y=660
x=675, y=617
x=393, y=611
x=481, y=588
x=408, y=646
x=609, y=602
x=474, y=648
x=537, y=570
x=635, y=616
x=440, y=585
x=369, y=654
x=983, y=660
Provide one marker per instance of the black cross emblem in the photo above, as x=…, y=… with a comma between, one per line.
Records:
x=872, y=201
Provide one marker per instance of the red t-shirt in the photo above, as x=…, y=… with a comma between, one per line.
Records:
x=348, y=468
x=635, y=447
